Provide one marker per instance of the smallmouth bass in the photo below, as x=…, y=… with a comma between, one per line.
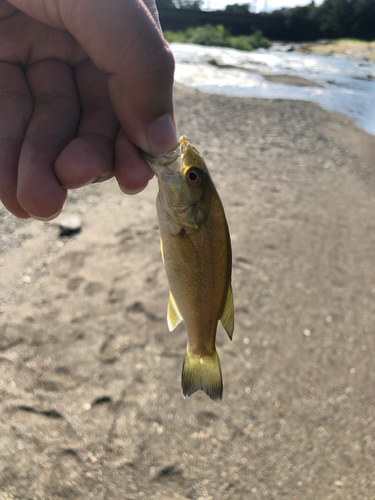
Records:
x=196, y=252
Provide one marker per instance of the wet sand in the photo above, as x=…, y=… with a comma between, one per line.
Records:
x=292, y=80
x=90, y=401
x=284, y=79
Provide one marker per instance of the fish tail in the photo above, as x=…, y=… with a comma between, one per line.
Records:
x=202, y=373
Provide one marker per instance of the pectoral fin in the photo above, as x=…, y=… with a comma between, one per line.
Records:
x=227, y=318
x=174, y=316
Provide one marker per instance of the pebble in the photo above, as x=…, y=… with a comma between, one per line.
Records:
x=70, y=225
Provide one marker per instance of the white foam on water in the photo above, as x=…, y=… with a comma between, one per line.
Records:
x=347, y=88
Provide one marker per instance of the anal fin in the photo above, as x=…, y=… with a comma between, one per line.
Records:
x=227, y=318
x=174, y=316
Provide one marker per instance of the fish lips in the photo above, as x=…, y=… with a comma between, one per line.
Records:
x=169, y=163
x=164, y=168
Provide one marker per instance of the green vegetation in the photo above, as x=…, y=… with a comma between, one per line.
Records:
x=179, y=4
x=332, y=19
x=238, y=8
x=218, y=36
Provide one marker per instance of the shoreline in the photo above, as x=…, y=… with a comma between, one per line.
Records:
x=341, y=85
x=352, y=137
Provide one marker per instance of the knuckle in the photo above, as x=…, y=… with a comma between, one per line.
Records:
x=53, y=98
x=15, y=104
x=10, y=94
x=159, y=64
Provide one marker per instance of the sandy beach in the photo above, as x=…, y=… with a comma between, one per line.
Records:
x=90, y=399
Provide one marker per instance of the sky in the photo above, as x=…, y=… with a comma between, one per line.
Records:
x=260, y=4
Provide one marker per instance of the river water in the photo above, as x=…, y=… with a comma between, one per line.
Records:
x=348, y=84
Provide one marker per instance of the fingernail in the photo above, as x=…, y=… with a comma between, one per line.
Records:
x=91, y=181
x=46, y=219
x=103, y=178
x=161, y=135
x=130, y=191
x=78, y=186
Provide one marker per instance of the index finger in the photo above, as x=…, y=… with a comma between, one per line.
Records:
x=123, y=39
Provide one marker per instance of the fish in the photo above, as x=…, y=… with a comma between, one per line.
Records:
x=196, y=251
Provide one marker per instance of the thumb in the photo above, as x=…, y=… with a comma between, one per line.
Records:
x=123, y=39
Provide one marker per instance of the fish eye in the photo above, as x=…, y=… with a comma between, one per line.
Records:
x=194, y=176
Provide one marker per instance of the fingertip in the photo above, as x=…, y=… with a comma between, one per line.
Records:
x=131, y=171
x=86, y=160
x=48, y=218
x=42, y=203
x=15, y=209
x=28, y=218
x=132, y=191
x=133, y=177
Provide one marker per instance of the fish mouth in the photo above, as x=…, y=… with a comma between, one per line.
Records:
x=169, y=162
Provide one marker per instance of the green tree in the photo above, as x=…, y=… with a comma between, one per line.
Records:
x=238, y=8
x=301, y=23
x=165, y=4
x=364, y=23
x=336, y=18
x=189, y=4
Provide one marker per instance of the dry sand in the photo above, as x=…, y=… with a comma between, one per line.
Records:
x=90, y=376
x=350, y=48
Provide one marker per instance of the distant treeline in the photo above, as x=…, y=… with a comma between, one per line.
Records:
x=332, y=19
x=218, y=36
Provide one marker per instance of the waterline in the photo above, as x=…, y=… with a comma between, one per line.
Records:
x=347, y=86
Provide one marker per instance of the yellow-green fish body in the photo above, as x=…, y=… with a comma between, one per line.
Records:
x=197, y=257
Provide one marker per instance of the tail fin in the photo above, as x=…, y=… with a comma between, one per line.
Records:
x=202, y=373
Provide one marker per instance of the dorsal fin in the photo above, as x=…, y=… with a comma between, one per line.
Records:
x=227, y=318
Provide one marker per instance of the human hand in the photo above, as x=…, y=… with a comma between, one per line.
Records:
x=83, y=85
